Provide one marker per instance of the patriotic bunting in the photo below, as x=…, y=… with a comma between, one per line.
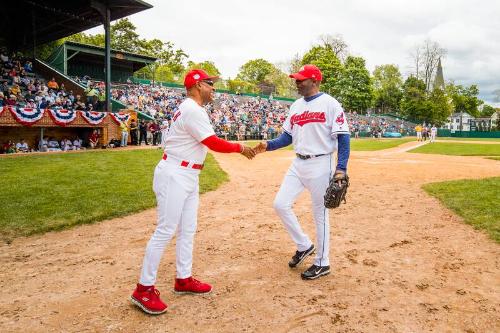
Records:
x=92, y=117
x=26, y=116
x=62, y=117
x=120, y=116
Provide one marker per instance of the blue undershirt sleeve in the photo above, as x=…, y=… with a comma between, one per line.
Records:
x=283, y=140
x=344, y=149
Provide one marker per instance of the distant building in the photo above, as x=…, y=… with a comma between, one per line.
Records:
x=481, y=124
x=459, y=121
x=495, y=117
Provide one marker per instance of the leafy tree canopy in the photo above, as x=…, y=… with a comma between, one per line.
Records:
x=255, y=71
x=387, y=84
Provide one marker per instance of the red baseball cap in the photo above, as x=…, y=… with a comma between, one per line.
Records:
x=307, y=72
x=196, y=75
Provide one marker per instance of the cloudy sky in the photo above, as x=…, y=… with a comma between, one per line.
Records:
x=229, y=33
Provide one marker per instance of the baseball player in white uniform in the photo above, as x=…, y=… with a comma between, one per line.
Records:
x=315, y=126
x=433, y=133
x=164, y=131
x=175, y=184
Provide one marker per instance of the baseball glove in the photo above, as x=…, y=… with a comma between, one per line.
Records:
x=337, y=190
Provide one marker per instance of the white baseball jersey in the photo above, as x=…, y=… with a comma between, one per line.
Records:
x=314, y=125
x=164, y=132
x=177, y=191
x=190, y=126
x=164, y=127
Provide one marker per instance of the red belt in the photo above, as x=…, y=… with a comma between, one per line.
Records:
x=186, y=163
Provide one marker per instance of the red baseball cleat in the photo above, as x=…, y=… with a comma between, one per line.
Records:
x=148, y=299
x=191, y=286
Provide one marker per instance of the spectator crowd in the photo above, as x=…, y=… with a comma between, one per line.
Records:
x=377, y=126
x=21, y=87
x=234, y=117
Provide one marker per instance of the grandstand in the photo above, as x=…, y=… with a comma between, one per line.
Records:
x=72, y=83
x=36, y=99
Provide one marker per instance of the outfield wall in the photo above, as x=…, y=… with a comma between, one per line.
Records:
x=468, y=134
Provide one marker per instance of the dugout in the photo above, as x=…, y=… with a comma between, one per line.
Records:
x=76, y=59
x=32, y=125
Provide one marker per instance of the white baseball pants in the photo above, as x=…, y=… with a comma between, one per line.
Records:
x=164, y=138
x=314, y=175
x=177, y=196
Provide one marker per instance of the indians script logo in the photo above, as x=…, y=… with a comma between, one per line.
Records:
x=340, y=119
x=307, y=117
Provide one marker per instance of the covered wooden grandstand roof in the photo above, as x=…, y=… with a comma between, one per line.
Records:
x=28, y=22
x=73, y=59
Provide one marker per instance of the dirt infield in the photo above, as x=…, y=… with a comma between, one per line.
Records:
x=401, y=262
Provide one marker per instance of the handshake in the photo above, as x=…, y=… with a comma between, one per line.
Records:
x=250, y=153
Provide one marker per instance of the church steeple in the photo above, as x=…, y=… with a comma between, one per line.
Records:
x=439, y=79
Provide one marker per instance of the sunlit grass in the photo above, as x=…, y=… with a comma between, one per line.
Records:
x=476, y=201
x=55, y=191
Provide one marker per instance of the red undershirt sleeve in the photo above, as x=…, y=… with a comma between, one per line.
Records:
x=220, y=145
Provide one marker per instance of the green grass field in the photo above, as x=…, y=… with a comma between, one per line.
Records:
x=462, y=149
x=476, y=201
x=368, y=144
x=51, y=192
x=371, y=144
x=468, y=139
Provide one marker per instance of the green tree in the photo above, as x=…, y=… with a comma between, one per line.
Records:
x=465, y=98
x=124, y=36
x=337, y=44
x=168, y=67
x=414, y=103
x=284, y=85
x=387, y=84
x=294, y=64
x=207, y=66
x=331, y=68
x=83, y=38
x=45, y=51
x=169, y=63
x=356, y=91
x=487, y=111
x=240, y=86
x=255, y=71
x=438, y=107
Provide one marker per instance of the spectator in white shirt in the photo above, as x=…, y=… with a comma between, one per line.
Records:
x=66, y=144
x=53, y=145
x=77, y=143
x=22, y=147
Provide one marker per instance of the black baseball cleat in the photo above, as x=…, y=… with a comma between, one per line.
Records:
x=315, y=272
x=300, y=256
